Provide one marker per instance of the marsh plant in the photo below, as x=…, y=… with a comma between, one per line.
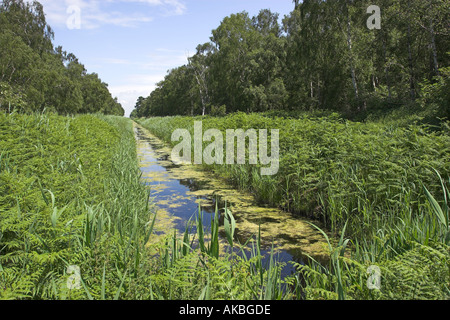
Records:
x=77, y=221
x=374, y=187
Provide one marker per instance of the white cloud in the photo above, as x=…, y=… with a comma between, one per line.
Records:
x=96, y=13
x=171, y=7
x=137, y=85
x=128, y=94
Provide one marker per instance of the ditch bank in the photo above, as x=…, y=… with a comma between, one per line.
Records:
x=178, y=191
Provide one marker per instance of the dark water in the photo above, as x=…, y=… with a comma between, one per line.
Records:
x=178, y=191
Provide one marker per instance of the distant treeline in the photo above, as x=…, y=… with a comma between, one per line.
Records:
x=323, y=55
x=35, y=75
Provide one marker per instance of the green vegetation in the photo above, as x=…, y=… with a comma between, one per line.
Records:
x=35, y=75
x=333, y=169
x=372, y=182
x=321, y=56
x=70, y=195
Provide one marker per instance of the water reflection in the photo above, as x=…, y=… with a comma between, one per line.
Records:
x=179, y=191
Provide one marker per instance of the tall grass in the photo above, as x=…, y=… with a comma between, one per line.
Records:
x=365, y=181
x=71, y=195
x=199, y=266
x=331, y=169
x=411, y=251
x=72, y=199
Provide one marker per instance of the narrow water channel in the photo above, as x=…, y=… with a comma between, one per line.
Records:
x=178, y=191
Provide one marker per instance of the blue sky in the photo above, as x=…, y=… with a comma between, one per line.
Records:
x=132, y=44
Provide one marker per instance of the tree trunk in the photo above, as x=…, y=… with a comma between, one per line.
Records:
x=352, y=65
x=412, y=90
x=203, y=89
x=433, y=48
x=349, y=43
x=386, y=69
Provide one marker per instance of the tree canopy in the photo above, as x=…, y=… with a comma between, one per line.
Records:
x=35, y=75
x=322, y=55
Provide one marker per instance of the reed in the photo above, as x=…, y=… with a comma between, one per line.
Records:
x=72, y=195
x=362, y=180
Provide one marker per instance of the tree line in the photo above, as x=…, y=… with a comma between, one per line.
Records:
x=36, y=75
x=320, y=56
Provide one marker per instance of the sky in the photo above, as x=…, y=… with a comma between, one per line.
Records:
x=131, y=44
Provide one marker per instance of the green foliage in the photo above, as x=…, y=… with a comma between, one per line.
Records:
x=65, y=200
x=71, y=195
x=365, y=182
x=436, y=94
x=412, y=259
x=322, y=56
x=34, y=75
x=184, y=269
x=421, y=273
x=10, y=99
x=218, y=111
x=332, y=169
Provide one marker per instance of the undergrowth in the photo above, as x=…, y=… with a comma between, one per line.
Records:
x=71, y=195
x=373, y=184
x=76, y=222
x=71, y=198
